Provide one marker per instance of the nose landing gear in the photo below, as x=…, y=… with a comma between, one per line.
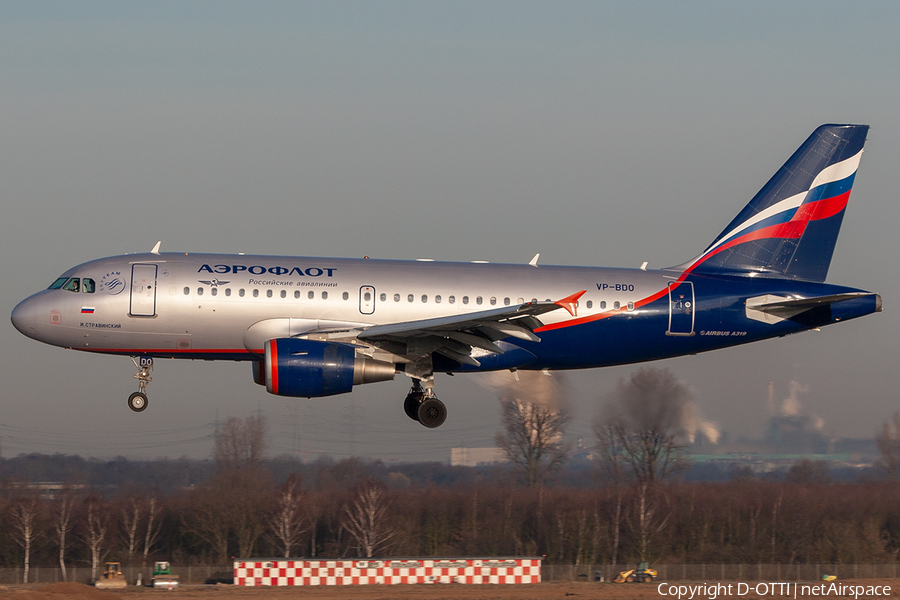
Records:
x=423, y=406
x=138, y=400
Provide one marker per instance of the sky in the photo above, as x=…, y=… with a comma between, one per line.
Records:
x=595, y=133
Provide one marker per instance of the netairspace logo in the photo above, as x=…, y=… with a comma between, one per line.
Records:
x=784, y=590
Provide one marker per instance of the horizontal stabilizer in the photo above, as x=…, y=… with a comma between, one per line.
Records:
x=774, y=309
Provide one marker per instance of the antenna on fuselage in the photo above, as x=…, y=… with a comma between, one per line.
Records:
x=156, y=248
x=534, y=260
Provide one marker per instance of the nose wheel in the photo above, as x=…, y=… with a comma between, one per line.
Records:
x=138, y=400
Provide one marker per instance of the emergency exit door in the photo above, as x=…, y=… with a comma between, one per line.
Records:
x=367, y=300
x=143, y=290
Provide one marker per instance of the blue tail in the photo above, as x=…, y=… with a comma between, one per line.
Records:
x=790, y=227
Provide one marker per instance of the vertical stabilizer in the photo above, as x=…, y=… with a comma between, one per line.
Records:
x=790, y=227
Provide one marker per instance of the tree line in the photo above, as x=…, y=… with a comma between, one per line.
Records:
x=243, y=513
x=630, y=505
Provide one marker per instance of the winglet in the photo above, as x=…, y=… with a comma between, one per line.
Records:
x=534, y=260
x=570, y=302
x=156, y=248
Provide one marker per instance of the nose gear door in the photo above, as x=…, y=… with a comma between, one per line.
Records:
x=143, y=290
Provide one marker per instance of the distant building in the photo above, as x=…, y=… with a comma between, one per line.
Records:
x=47, y=490
x=472, y=457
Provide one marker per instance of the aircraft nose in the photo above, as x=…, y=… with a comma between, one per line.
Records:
x=24, y=317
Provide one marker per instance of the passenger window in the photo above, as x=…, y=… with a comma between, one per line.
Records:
x=241, y=292
x=311, y=295
x=506, y=302
x=199, y=291
x=284, y=293
x=72, y=285
x=296, y=293
x=367, y=296
x=451, y=299
x=268, y=293
x=478, y=300
x=256, y=293
x=590, y=304
x=187, y=291
x=411, y=298
x=346, y=296
x=631, y=306
x=214, y=291
x=493, y=301
x=396, y=297
x=437, y=299
x=520, y=301
x=58, y=283
x=603, y=304
x=87, y=285
x=324, y=295
x=227, y=291
x=424, y=298
x=616, y=305
x=465, y=299
x=383, y=297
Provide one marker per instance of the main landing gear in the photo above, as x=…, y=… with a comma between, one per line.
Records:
x=138, y=400
x=423, y=406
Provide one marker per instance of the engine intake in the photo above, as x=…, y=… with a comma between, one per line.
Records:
x=310, y=369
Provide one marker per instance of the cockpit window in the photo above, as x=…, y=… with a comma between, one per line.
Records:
x=87, y=286
x=58, y=283
x=72, y=285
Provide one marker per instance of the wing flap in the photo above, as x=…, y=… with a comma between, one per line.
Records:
x=455, y=336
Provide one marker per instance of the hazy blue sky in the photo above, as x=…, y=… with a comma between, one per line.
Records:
x=594, y=133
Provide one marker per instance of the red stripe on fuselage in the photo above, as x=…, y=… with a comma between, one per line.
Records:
x=793, y=229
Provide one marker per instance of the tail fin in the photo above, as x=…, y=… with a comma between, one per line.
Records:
x=790, y=227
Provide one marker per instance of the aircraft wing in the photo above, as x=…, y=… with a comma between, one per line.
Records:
x=455, y=336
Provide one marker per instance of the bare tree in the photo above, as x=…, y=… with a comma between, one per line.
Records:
x=154, y=524
x=207, y=518
x=888, y=441
x=287, y=520
x=240, y=442
x=249, y=493
x=643, y=434
x=131, y=514
x=643, y=438
x=534, y=419
x=364, y=518
x=26, y=529
x=95, y=529
x=62, y=525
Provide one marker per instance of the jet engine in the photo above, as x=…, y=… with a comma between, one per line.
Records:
x=309, y=369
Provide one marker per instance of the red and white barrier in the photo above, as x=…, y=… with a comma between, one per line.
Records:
x=285, y=572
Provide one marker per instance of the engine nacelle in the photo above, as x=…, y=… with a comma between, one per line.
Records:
x=309, y=369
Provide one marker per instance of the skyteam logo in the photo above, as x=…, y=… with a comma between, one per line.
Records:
x=261, y=270
x=113, y=283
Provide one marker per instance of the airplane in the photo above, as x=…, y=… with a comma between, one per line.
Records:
x=313, y=327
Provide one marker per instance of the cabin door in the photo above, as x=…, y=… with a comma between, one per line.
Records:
x=681, y=308
x=143, y=290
